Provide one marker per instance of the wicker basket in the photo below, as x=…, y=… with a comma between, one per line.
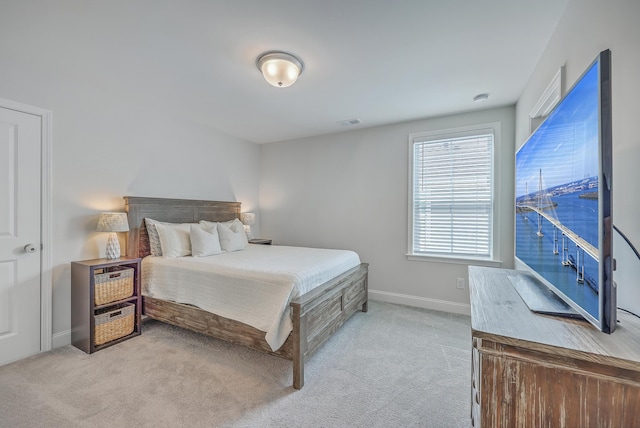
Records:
x=114, y=284
x=114, y=323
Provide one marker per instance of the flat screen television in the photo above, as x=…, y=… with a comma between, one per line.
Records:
x=563, y=201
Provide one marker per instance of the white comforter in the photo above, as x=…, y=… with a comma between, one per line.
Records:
x=253, y=286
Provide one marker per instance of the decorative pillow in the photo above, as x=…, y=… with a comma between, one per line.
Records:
x=154, y=240
x=235, y=225
x=204, y=242
x=175, y=239
x=231, y=240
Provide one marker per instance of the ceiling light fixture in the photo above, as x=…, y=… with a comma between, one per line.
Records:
x=480, y=98
x=280, y=69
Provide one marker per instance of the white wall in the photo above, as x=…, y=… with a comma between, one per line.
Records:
x=588, y=27
x=350, y=191
x=108, y=143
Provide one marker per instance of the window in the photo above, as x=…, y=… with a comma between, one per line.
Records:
x=452, y=192
x=547, y=101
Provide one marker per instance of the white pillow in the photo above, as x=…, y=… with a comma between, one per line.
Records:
x=204, y=242
x=235, y=225
x=231, y=240
x=175, y=239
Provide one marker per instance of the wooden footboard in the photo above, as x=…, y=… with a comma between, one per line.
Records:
x=316, y=316
x=319, y=313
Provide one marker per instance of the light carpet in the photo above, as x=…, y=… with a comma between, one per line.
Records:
x=394, y=366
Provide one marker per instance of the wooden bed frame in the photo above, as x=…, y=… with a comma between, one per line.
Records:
x=316, y=315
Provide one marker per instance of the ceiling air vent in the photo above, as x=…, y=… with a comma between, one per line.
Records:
x=349, y=122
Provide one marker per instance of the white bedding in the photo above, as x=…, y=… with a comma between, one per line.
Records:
x=253, y=286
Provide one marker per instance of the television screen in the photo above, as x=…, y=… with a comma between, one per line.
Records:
x=563, y=198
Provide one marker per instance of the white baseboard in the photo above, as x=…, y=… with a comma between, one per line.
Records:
x=420, y=302
x=61, y=339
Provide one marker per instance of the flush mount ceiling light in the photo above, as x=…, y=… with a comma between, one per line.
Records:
x=280, y=69
x=480, y=98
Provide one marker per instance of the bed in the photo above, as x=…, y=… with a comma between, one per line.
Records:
x=315, y=315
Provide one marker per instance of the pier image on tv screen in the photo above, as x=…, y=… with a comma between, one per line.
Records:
x=557, y=178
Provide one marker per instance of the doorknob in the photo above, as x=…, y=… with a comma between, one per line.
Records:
x=30, y=248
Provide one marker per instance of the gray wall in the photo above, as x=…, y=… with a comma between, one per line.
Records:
x=588, y=27
x=108, y=142
x=350, y=190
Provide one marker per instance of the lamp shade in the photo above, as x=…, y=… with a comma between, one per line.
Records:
x=113, y=222
x=279, y=69
x=248, y=218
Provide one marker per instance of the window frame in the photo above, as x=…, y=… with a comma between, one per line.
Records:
x=451, y=133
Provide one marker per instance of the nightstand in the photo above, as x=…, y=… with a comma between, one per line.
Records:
x=106, y=305
x=260, y=241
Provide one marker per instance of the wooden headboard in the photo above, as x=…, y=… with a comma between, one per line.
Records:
x=173, y=211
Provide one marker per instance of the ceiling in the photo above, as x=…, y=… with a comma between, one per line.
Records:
x=380, y=61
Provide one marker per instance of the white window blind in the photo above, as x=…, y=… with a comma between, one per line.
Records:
x=453, y=196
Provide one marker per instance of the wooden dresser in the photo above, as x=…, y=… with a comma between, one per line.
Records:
x=531, y=370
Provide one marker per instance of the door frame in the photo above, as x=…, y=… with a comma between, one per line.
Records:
x=46, y=263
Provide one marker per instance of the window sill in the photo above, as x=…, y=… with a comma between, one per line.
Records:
x=455, y=260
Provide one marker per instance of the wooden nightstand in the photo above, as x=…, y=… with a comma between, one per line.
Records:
x=106, y=305
x=260, y=241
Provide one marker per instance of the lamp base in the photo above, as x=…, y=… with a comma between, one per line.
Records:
x=113, y=247
x=247, y=230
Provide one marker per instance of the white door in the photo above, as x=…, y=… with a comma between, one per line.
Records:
x=20, y=222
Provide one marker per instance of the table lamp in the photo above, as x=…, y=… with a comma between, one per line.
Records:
x=248, y=219
x=113, y=222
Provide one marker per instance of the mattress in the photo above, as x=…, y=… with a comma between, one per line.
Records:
x=253, y=286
